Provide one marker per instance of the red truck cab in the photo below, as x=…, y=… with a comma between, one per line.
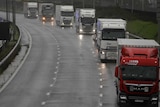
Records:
x=137, y=72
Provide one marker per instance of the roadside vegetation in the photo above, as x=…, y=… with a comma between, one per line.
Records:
x=138, y=23
x=7, y=47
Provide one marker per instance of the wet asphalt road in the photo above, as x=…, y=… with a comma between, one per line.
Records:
x=62, y=70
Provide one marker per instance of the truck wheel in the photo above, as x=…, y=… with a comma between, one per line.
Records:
x=119, y=103
x=77, y=30
x=156, y=105
x=102, y=60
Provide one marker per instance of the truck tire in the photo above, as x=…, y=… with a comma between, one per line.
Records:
x=77, y=30
x=119, y=103
x=156, y=105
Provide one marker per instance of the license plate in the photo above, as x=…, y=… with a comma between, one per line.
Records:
x=111, y=55
x=139, y=101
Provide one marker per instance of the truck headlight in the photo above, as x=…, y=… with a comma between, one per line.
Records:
x=52, y=18
x=43, y=18
x=80, y=30
x=94, y=30
x=103, y=53
x=123, y=97
x=154, y=99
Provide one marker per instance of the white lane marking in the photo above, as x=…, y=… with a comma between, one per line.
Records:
x=58, y=58
x=100, y=104
x=101, y=86
x=59, y=51
x=59, y=55
x=100, y=95
x=101, y=80
x=48, y=93
x=58, y=63
x=51, y=85
x=56, y=67
x=54, y=79
x=100, y=74
x=43, y=103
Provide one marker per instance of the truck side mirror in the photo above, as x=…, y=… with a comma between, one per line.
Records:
x=127, y=34
x=116, y=71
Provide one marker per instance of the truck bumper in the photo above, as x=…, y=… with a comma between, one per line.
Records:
x=47, y=19
x=86, y=32
x=32, y=16
x=108, y=55
x=151, y=100
x=66, y=25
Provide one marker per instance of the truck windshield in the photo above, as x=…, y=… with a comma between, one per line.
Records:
x=47, y=12
x=112, y=34
x=88, y=20
x=67, y=13
x=32, y=9
x=139, y=73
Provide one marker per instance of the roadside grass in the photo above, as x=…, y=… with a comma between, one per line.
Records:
x=138, y=23
x=144, y=29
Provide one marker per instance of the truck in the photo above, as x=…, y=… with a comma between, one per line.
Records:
x=137, y=72
x=46, y=12
x=107, y=32
x=30, y=9
x=85, y=21
x=64, y=15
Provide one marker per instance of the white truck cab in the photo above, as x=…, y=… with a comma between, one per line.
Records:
x=108, y=30
x=85, y=21
x=64, y=15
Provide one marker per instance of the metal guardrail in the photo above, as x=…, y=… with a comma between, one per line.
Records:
x=5, y=61
x=134, y=36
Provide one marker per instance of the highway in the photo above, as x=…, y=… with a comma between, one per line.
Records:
x=62, y=70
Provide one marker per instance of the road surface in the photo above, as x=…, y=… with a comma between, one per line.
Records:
x=62, y=70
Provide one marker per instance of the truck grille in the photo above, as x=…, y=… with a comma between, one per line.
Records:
x=111, y=47
x=67, y=21
x=138, y=98
x=143, y=89
x=87, y=28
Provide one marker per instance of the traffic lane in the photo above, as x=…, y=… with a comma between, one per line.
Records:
x=77, y=80
x=33, y=78
x=107, y=92
x=72, y=37
x=108, y=95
